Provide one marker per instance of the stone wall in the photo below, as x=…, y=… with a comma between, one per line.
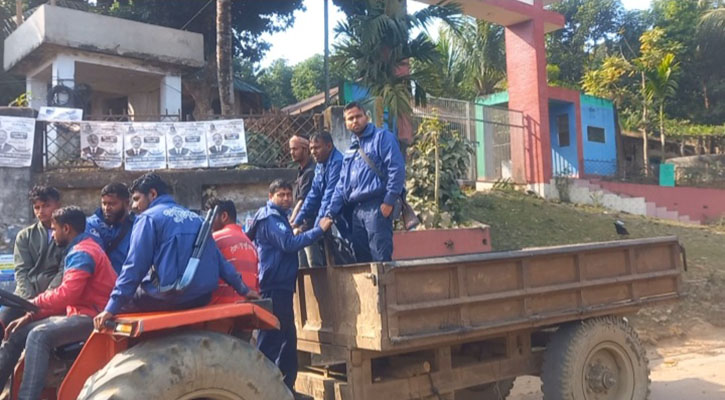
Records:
x=248, y=188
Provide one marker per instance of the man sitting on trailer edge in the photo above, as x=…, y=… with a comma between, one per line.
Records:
x=66, y=312
x=162, y=243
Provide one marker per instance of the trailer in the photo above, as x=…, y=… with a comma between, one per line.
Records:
x=464, y=326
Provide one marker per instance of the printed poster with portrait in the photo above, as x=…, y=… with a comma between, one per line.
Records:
x=144, y=145
x=186, y=145
x=226, y=143
x=17, y=135
x=102, y=144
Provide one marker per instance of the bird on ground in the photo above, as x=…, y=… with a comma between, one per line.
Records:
x=619, y=227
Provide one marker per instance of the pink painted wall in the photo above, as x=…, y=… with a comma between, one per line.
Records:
x=697, y=203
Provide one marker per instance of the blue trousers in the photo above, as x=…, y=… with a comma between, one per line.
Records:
x=281, y=346
x=372, y=234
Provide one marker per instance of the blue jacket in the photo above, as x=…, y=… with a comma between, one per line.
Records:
x=323, y=187
x=358, y=182
x=277, y=248
x=105, y=234
x=162, y=240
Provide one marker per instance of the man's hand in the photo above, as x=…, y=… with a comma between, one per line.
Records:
x=325, y=224
x=252, y=295
x=15, y=325
x=99, y=322
x=296, y=231
x=386, y=210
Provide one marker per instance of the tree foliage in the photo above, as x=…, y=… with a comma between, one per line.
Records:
x=250, y=19
x=276, y=81
x=376, y=41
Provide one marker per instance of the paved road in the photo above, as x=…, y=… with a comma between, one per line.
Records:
x=693, y=371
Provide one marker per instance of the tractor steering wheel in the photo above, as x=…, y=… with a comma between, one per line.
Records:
x=11, y=300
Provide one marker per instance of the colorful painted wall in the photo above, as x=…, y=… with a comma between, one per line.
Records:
x=598, y=136
x=562, y=125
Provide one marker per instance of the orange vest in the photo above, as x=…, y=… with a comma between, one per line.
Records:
x=240, y=252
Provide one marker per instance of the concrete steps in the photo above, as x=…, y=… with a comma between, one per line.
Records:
x=584, y=191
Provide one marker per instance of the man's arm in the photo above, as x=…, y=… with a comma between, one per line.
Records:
x=283, y=238
x=80, y=266
x=333, y=171
x=23, y=263
x=394, y=165
x=137, y=264
x=337, y=199
x=312, y=201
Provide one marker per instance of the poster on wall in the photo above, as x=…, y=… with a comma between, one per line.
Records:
x=144, y=145
x=227, y=144
x=16, y=141
x=186, y=145
x=102, y=144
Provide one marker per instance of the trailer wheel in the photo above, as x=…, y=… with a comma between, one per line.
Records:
x=597, y=359
x=188, y=366
x=490, y=391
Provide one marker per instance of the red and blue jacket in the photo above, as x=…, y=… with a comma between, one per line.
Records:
x=88, y=279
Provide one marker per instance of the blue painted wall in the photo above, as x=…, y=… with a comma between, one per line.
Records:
x=599, y=158
x=564, y=159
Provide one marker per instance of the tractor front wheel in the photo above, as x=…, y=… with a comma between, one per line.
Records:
x=188, y=366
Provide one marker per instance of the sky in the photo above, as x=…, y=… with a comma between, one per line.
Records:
x=306, y=37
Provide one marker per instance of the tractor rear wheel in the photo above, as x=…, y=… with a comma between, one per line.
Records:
x=188, y=366
x=490, y=391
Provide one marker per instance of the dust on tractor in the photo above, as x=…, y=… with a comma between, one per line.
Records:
x=181, y=355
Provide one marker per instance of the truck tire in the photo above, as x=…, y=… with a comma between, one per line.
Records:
x=186, y=366
x=490, y=391
x=599, y=358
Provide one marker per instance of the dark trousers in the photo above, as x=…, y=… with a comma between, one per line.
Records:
x=8, y=315
x=281, y=346
x=38, y=339
x=143, y=302
x=372, y=234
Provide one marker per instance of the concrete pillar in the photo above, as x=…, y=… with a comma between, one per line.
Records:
x=37, y=90
x=64, y=71
x=170, y=97
x=527, y=86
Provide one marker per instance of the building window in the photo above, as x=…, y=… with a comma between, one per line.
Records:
x=595, y=134
x=562, y=125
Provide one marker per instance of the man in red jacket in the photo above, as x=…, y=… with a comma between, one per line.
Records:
x=236, y=248
x=66, y=312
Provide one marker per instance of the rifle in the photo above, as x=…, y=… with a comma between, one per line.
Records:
x=202, y=237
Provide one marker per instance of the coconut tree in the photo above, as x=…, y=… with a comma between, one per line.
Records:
x=661, y=86
x=481, y=45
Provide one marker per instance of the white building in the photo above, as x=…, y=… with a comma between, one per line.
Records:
x=131, y=67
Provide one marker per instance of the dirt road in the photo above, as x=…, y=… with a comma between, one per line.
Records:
x=689, y=370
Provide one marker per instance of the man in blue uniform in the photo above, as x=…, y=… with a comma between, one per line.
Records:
x=371, y=182
x=327, y=173
x=111, y=224
x=277, y=248
x=162, y=241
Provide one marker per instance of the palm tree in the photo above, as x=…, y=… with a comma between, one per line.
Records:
x=375, y=40
x=445, y=78
x=711, y=41
x=661, y=86
x=224, y=55
x=481, y=45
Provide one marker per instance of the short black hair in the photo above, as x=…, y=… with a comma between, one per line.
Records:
x=149, y=181
x=43, y=193
x=279, y=184
x=71, y=215
x=323, y=136
x=226, y=206
x=353, y=104
x=118, y=189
